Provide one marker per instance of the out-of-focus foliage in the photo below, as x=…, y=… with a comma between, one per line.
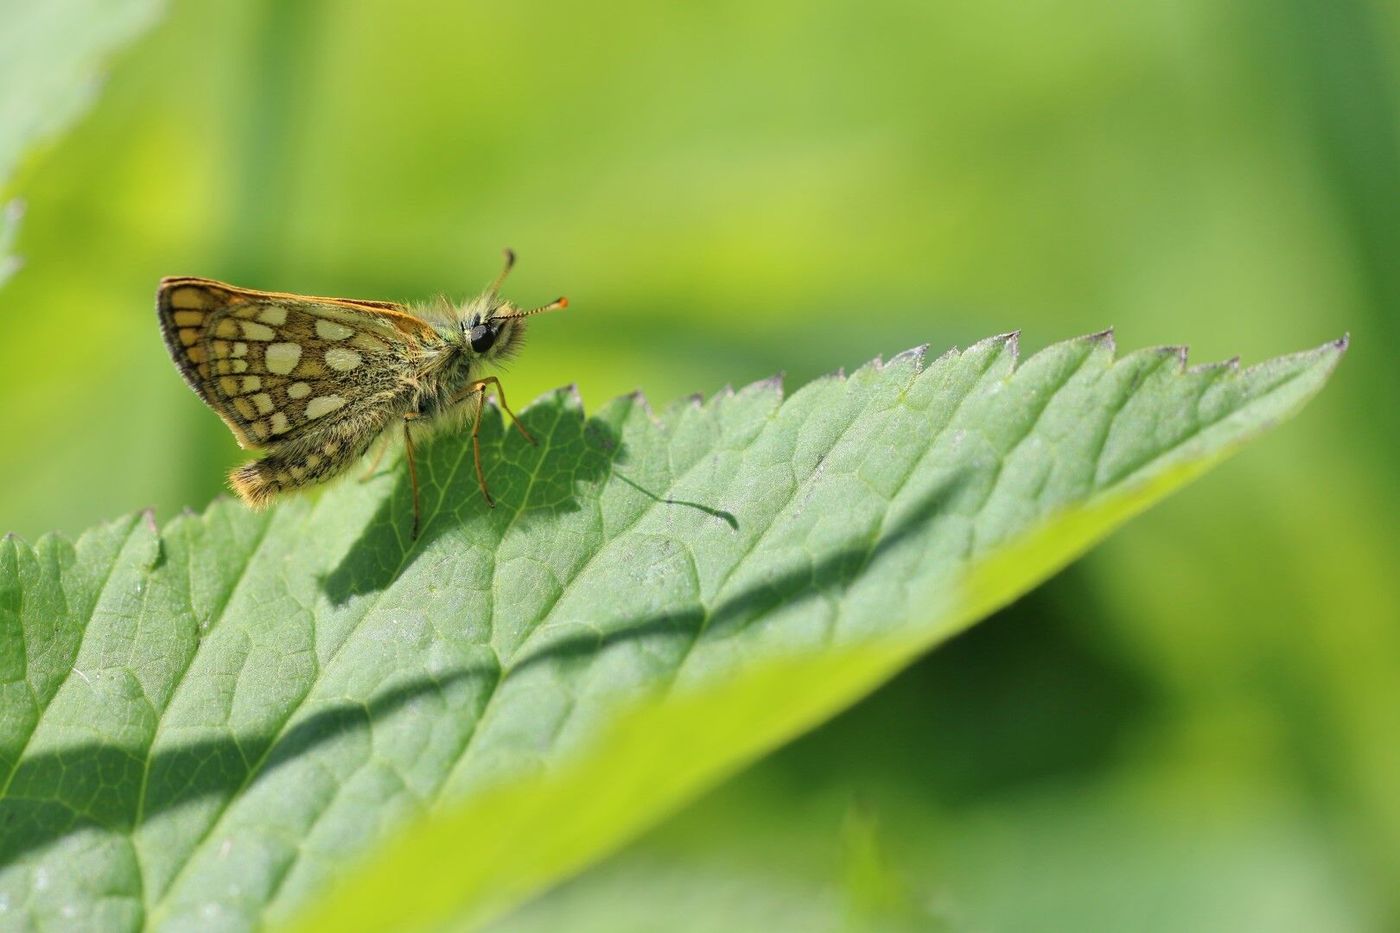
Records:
x=1206, y=707
x=50, y=60
x=10, y=215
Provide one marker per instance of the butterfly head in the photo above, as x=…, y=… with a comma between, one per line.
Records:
x=493, y=328
x=497, y=331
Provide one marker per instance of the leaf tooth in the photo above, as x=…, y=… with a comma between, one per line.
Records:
x=1232, y=364
x=1179, y=352
x=639, y=398
x=1010, y=342
x=620, y=408
x=773, y=383
x=1105, y=338
x=571, y=395
x=916, y=354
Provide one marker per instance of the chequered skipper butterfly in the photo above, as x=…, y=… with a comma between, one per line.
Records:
x=314, y=382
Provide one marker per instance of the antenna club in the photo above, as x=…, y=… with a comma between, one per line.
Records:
x=562, y=302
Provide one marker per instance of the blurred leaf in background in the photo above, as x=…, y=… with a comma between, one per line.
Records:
x=51, y=56
x=739, y=188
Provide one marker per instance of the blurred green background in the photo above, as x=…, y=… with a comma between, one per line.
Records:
x=1198, y=727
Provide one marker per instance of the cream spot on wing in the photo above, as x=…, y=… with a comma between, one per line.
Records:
x=226, y=328
x=189, y=336
x=239, y=349
x=323, y=405
x=279, y=423
x=298, y=473
x=238, y=366
x=282, y=357
x=264, y=403
x=332, y=330
x=189, y=298
x=189, y=318
x=260, y=429
x=342, y=359
x=245, y=408
x=312, y=461
x=195, y=354
x=369, y=344
x=298, y=390
x=275, y=315
x=229, y=385
x=252, y=383
x=255, y=331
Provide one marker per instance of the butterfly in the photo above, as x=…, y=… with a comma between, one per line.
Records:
x=312, y=383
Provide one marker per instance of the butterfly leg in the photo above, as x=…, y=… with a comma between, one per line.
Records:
x=374, y=464
x=412, y=469
x=500, y=394
x=480, y=388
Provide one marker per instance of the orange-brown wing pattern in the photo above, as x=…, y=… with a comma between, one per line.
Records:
x=273, y=365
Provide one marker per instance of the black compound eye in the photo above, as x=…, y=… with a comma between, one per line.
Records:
x=481, y=337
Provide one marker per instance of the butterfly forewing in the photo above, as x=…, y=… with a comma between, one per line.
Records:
x=275, y=366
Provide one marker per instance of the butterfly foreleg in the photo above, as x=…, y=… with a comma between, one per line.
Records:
x=479, y=388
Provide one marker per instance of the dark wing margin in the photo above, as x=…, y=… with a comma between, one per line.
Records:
x=185, y=307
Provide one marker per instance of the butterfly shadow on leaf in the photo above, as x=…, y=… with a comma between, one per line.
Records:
x=531, y=483
x=785, y=588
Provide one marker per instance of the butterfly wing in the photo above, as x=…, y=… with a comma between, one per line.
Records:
x=275, y=366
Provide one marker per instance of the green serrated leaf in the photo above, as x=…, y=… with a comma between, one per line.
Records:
x=203, y=726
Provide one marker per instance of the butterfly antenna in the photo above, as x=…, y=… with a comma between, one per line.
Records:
x=510, y=262
x=558, y=304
